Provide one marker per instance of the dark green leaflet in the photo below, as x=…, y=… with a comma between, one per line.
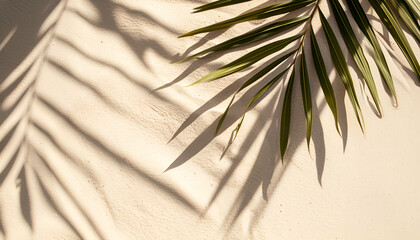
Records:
x=342, y=68
x=306, y=96
x=323, y=78
x=285, y=116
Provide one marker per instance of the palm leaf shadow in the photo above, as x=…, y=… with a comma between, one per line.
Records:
x=19, y=119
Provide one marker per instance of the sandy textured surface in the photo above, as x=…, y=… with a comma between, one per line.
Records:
x=93, y=113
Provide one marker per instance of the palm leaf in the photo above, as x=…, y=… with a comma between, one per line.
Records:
x=408, y=10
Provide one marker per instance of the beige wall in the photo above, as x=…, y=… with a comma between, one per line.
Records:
x=93, y=113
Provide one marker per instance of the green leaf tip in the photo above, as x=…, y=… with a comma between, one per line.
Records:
x=342, y=68
x=356, y=51
x=285, y=116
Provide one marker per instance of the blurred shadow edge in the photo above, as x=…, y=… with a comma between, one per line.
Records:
x=26, y=29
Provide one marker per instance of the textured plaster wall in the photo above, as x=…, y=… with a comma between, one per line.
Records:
x=93, y=113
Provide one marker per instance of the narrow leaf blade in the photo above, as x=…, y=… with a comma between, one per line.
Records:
x=306, y=97
x=342, y=68
x=285, y=116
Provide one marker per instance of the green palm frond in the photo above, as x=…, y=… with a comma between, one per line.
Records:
x=394, y=14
